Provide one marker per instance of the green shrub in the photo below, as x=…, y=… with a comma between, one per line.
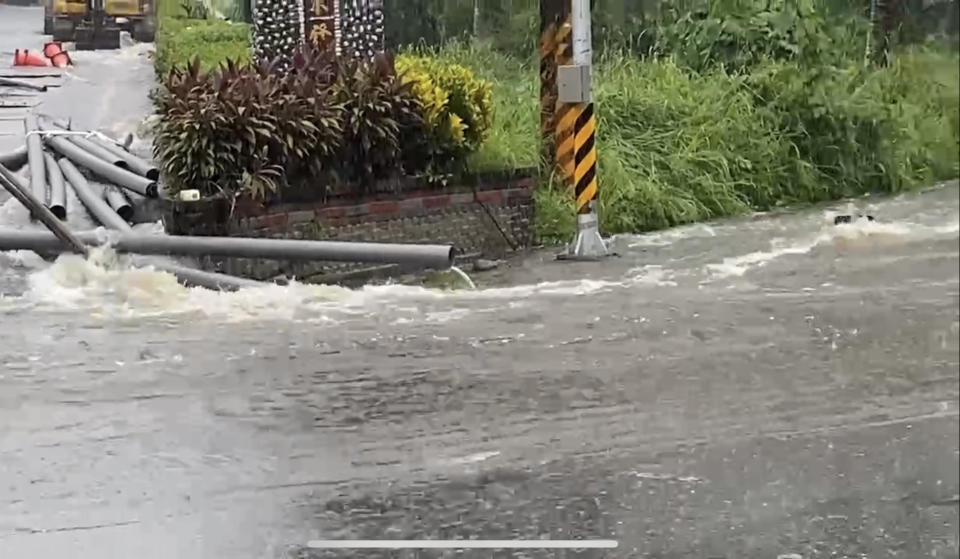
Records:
x=241, y=127
x=739, y=34
x=252, y=128
x=511, y=141
x=457, y=106
x=381, y=118
x=180, y=41
x=863, y=130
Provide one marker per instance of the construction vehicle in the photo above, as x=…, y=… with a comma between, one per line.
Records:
x=97, y=24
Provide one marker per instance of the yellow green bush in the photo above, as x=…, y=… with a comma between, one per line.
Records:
x=457, y=106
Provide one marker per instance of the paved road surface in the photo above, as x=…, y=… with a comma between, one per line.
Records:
x=771, y=387
x=757, y=388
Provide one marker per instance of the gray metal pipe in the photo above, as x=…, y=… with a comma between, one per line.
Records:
x=134, y=163
x=109, y=219
x=10, y=82
x=15, y=159
x=97, y=207
x=95, y=149
x=199, y=278
x=112, y=173
x=428, y=256
x=46, y=243
x=38, y=175
x=117, y=150
x=67, y=241
x=58, y=189
x=118, y=202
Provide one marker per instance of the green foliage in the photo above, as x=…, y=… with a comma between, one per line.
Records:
x=457, y=106
x=739, y=34
x=381, y=117
x=677, y=147
x=865, y=130
x=180, y=41
x=246, y=127
x=511, y=140
x=241, y=126
x=169, y=9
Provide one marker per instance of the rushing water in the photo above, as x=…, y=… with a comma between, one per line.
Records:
x=641, y=398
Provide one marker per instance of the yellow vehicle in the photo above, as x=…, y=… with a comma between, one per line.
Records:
x=96, y=24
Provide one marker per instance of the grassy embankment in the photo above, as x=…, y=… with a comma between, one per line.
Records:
x=677, y=146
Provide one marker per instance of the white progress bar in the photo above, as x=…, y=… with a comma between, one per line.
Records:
x=462, y=544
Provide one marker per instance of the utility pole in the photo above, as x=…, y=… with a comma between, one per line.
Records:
x=575, y=86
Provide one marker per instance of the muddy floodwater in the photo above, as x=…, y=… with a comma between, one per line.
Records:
x=763, y=387
x=771, y=387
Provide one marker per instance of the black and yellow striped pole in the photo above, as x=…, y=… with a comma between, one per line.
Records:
x=552, y=14
x=574, y=86
x=585, y=158
x=566, y=113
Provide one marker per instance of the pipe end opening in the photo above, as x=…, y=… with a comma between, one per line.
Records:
x=125, y=212
x=451, y=256
x=153, y=174
x=152, y=190
x=59, y=211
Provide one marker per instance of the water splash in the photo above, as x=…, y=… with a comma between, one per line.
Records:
x=463, y=275
x=858, y=235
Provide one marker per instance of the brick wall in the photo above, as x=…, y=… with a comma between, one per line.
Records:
x=488, y=218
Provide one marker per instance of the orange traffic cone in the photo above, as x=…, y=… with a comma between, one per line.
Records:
x=61, y=60
x=52, y=48
x=27, y=58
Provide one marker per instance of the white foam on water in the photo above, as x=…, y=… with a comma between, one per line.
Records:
x=651, y=274
x=858, y=235
x=548, y=288
x=106, y=285
x=670, y=236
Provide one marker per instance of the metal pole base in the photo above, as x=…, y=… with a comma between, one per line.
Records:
x=588, y=244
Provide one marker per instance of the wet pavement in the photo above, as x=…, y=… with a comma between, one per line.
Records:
x=104, y=90
x=768, y=387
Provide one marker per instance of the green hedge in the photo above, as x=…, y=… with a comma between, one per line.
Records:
x=327, y=126
x=457, y=106
x=181, y=39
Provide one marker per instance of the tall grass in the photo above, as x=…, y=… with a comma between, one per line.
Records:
x=678, y=146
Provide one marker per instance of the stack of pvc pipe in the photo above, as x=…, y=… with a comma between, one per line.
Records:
x=108, y=161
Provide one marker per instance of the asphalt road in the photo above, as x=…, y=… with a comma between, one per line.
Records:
x=770, y=387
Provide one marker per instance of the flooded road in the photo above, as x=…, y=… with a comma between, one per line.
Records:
x=772, y=387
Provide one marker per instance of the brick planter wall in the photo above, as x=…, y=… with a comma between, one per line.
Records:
x=488, y=218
